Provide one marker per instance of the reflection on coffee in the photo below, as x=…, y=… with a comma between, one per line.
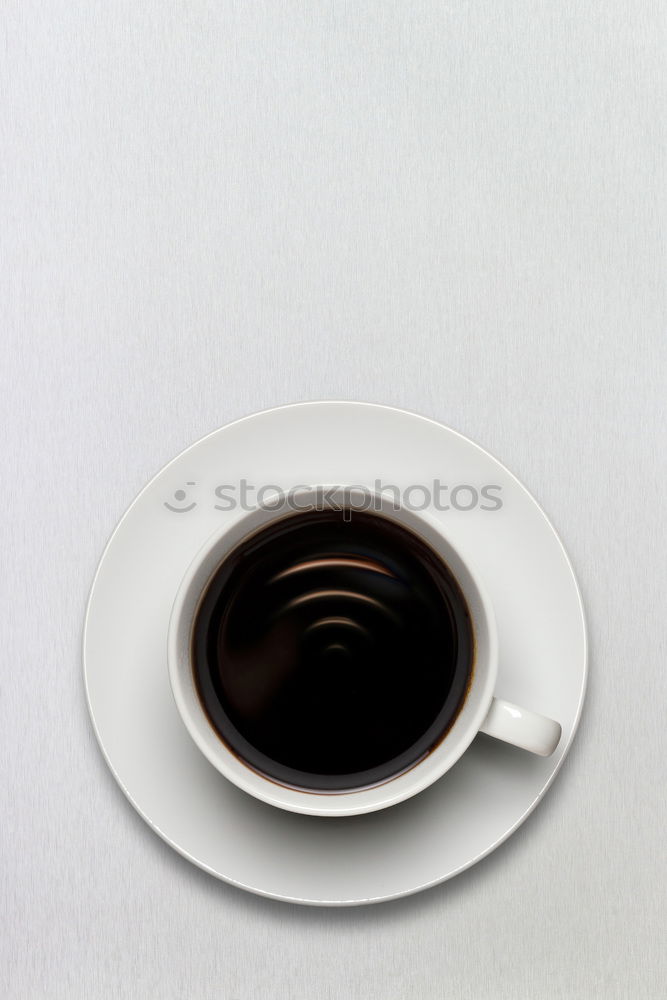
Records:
x=332, y=654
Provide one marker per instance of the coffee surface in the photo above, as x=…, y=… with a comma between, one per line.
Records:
x=332, y=654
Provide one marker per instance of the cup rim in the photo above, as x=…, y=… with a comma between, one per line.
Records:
x=458, y=736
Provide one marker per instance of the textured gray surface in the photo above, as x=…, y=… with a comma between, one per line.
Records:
x=209, y=208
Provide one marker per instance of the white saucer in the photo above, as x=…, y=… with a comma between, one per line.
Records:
x=329, y=862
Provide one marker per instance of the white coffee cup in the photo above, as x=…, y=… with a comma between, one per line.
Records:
x=481, y=711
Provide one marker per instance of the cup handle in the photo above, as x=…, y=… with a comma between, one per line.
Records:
x=521, y=727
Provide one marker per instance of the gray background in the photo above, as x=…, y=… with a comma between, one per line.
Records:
x=212, y=207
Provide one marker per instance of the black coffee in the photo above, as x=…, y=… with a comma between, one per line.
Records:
x=332, y=654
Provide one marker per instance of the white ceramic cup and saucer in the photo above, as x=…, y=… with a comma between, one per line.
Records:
x=514, y=554
x=482, y=709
